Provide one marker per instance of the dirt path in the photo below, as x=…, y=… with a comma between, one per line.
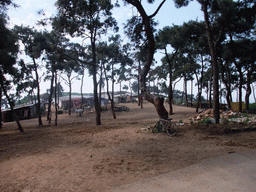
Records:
x=79, y=156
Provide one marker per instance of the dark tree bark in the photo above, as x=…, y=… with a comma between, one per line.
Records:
x=240, y=87
x=94, y=74
x=10, y=103
x=248, y=87
x=191, y=98
x=227, y=84
x=81, y=89
x=213, y=52
x=38, y=94
x=70, y=99
x=239, y=69
x=100, y=84
x=50, y=99
x=170, y=94
x=253, y=91
x=56, y=104
x=200, y=85
x=186, y=90
x=140, y=97
x=111, y=99
x=156, y=101
x=1, y=125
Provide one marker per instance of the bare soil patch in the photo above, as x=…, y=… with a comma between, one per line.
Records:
x=79, y=156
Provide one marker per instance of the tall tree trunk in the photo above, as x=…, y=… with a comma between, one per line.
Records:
x=94, y=74
x=81, y=89
x=100, y=86
x=199, y=93
x=70, y=99
x=56, y=104
x=240, y=89
x=254, y=96
x=226, y=82
x=186, y=90
x=239, y=68
x=200, y=85
x=248, y=89
x=111, y=99
x=191, y=98
x=120, y=88
x=213, y=52
x=50, y=98
x=140, y=98
x=1, y=119
x=170, y=94
x=210, y=94
x=38, y=94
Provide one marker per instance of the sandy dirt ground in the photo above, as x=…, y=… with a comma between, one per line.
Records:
x=79, y=156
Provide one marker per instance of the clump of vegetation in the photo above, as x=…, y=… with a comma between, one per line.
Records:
x=180, y=121
x=206, y=120
x=252, y=107
x=246, y=121
x=245, y=115
x=224, y=121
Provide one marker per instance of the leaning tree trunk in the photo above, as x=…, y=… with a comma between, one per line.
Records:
x=155, y=100
x=38, y=95
x=10, y=103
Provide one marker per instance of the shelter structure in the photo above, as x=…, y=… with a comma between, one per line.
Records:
x=27, y=111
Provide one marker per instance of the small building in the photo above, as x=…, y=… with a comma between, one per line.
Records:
x=76, y=101
x=23, y=112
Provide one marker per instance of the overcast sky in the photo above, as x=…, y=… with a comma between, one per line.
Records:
x=27, y=14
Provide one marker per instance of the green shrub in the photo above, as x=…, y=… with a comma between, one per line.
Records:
x=245, y=115
x=206, y=120
x=246, y=121
x=224, y=121
x=252, y=107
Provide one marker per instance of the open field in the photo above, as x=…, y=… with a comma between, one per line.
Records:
x=79, y=156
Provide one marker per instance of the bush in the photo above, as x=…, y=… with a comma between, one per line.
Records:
x=252, y=107
x=224, y=121
x=206, y=120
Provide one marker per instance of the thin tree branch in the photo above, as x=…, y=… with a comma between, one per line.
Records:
x=159, y=7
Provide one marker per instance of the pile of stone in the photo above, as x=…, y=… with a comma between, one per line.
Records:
x=230, y=115
x=209, y=113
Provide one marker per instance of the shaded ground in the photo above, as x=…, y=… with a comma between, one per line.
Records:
x=79, y=156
